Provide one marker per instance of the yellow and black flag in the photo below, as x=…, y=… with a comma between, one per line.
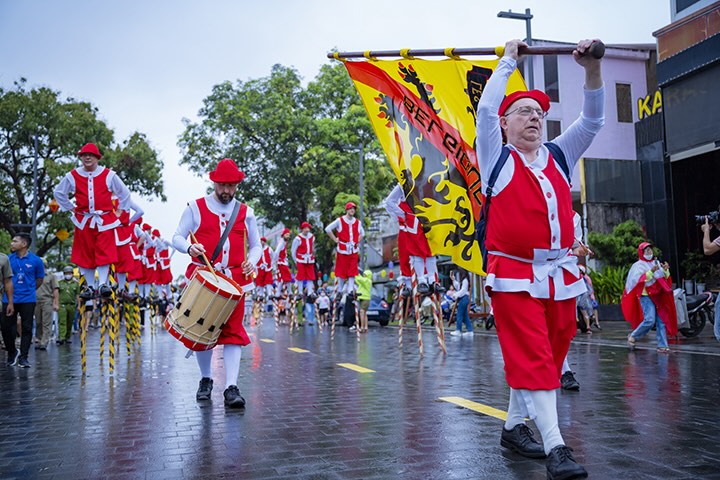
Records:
x=423, y=112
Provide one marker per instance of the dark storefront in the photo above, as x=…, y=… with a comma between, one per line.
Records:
x=688, y=73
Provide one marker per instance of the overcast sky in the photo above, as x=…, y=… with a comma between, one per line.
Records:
x=147, y=64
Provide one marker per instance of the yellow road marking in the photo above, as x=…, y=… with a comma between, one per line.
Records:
x=298, y=350
x=477, y=407
x=267, y=340
x=357, y=368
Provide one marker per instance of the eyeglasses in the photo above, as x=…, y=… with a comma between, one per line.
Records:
x=527, y=111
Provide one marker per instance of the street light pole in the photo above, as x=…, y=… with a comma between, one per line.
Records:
x=362, y=209
x=35, y=196
x=527, y=16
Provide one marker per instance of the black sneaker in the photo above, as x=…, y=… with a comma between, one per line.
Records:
x=562, y=466
x=568, y=382
x=233, y=399
x=522, y=441
x=87, y=293
x=205, y=389
x=23, y=363
x=13, y=359
x=439, y=289
x=67, y=340
x=104, y=291
x=59, y=342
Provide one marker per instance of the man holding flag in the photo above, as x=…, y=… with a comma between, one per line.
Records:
x=532, y=277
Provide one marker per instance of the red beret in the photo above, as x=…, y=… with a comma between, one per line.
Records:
x=263, y=239
x=285, y=231
x=537, y=95
x=350, y=205
x=305, y=225
x=227, y=171
x=156, y=232
x=146, y=226
x=90, y=148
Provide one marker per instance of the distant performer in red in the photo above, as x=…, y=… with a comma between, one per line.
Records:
x=347, y=233
x=264, y=269
x=282, y=266
x=207, y=218
x=94, y=218
x=127, y=268
x=303, y=252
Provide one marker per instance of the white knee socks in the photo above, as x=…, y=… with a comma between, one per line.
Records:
x=232, y=354
x=204, y=361
x=538, y=405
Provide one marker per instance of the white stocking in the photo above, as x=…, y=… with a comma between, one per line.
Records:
x=515, y=415
x=431, y=266
x=89, y=275
x=232, y=354
x=121, y=277
x=103, y=273
x=204, y=361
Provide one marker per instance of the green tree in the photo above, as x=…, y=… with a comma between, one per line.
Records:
x=619, y=248
x=297, y=145
x=61, y=126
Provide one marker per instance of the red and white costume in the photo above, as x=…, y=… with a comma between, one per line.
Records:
x=126, y=242
x=349, y=232
x=264, y=266
x=93, y=213
x=162, y=254
x=207, y=218
x=148, y=257
x=656, y=286
x=532, y=278
x=303, y=252
x=281, y=259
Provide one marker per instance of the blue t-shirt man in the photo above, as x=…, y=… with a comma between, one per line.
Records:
x=27, y=270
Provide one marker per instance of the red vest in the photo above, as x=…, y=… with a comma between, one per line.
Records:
x=92, y=194
x=282, y=255
x=305, y=248
x=519, y=219
x=411, y=223
x=265, y=262
x=212, y=226
x=124, y=232
x=163, y=258
x=348, y=236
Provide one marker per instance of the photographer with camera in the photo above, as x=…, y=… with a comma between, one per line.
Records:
x=711, y=248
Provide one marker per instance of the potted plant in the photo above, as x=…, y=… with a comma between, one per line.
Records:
x=697, y=270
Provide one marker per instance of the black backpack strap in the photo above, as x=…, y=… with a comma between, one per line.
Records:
x=504, y=154
x=559, y=157
x=226, y=232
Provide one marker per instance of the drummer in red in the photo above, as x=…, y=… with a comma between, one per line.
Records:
x=207, y=218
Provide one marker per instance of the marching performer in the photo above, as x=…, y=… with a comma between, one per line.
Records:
x=280, y=258
x=531, y=278
x=127, y=268
x=411, y=238
x=94, y=246
x=164, y=274
x=303, y=252
x=208, y=218
x=392, y=206
x=349, y=234
x=264, y=269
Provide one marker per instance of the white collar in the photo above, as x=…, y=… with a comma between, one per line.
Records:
x=84, y=173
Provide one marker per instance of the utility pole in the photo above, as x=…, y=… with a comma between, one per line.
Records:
x=33, y=233
x=527, y=16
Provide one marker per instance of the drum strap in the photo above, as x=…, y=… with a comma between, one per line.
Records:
x=225, y=233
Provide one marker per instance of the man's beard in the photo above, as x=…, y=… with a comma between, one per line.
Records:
x=225, y=198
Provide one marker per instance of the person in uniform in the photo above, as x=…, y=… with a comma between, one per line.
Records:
x=93, y=215
x=69, y=290
x=533, y=278
x=48, y=301
x=207, y=218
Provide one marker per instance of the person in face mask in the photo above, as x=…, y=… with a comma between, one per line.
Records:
x=69, y=289
x=648, y=299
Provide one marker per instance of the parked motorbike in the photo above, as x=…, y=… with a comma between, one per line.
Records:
x=693, y=312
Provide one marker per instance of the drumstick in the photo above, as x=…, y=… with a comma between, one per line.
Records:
x=207, y=262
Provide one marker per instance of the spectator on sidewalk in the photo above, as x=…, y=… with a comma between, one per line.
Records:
x=461, y=282
x=48, y=301
x=585, y=300
x=711, y=248
x=364, y=290
x=69, y=290
x=29, y=273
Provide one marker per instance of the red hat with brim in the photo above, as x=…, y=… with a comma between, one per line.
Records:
x=350, y=205
x=263, y=239
x=146, y=226
x=90, y=148
x=227, y=171
x=305, y=225
x=285, y=232
x=156, y=232
x=538, y=95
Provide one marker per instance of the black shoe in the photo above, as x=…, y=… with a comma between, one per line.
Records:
x=568, y=382
x=489, y=322
x=13, y=359
x=562, y=466
x=233, y=399
x=205, y=389
x=23, y=363
x=59, y=342
x=406, y=292
x=423, y=288
x=521, y=440
x=67, y=340
x=87, y=293
x=104, y=291
x=439, y=289
x=41, y=347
